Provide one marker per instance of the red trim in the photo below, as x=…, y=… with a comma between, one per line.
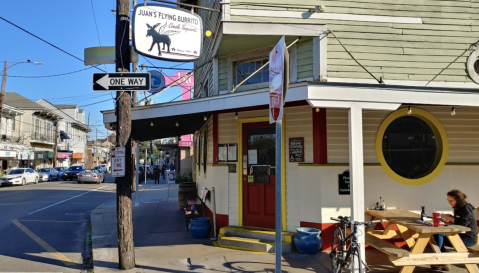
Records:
x=320, y=142
x=262, y=107
x=222, y=220
x=215, y=138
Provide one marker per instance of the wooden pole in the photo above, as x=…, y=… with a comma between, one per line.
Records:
x=4, y=82
x=126, y=248
x=55, y=148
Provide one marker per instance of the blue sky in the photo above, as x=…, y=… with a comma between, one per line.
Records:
x=69, y=25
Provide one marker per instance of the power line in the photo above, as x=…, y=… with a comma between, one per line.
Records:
x=48, y=42
x=49, y=76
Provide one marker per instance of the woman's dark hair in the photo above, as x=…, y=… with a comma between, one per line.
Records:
x=459, y=196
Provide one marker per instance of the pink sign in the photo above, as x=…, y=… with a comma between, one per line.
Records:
x=186, y=143
x=62, y=155
x=183, y=79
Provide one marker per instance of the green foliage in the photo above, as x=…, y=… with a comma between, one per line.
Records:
x=186, y=177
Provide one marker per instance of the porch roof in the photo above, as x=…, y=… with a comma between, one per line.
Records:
x=190, y=114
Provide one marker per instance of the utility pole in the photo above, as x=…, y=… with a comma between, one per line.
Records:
x=4, y=82
x=55, y=148
x=96, y=146
x=126, y=248
x=151, y=149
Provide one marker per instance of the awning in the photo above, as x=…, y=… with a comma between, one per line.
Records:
x=78, y=155
x=61, y=155
x=63, y=135
x=189, y=114
x=50, y=155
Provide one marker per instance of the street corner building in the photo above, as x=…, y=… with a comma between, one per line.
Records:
x=382, y=102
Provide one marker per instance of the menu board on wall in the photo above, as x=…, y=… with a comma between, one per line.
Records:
x=227, y=152
x=296, y=149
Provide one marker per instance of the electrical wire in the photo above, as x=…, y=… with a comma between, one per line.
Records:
x=48, y=42
x=96, y=26
x=380, y=80
x=49, y=76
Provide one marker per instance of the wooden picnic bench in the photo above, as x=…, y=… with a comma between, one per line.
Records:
x=408, y=229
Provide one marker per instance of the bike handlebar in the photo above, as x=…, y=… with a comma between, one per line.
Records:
x=347, y=220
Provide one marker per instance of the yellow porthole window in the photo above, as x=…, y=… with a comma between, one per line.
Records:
x=412, y=146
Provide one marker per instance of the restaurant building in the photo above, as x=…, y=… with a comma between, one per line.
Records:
x=382, y=103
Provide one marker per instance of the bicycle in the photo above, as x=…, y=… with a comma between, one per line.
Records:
x=341, y=256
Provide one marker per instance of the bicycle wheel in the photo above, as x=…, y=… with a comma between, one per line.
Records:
x=337, y=254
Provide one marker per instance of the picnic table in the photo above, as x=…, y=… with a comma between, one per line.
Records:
x=417, y=236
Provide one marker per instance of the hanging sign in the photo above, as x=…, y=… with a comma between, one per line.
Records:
x=118, y=162
x=278, y=80
x=167, y=33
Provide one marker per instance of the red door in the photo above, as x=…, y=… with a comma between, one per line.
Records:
x=259, y=159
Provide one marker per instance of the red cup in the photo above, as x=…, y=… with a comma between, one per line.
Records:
x=436, y=218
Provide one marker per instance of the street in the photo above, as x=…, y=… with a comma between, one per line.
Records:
x=44, y=226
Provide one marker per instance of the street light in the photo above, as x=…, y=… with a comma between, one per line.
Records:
x=4, y=81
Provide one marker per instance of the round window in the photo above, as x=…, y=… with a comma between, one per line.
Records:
x=409, y=147
x=412, y=148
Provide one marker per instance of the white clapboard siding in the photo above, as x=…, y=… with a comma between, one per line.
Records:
x=462, y=131
x=298, y=123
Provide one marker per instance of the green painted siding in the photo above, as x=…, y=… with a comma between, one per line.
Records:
x=305, y=60
x=223, y=74
x=434, y=50
x=204, y=75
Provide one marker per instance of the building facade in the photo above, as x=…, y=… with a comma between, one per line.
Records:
x=73, y=133
x=382, y=102
x=36, y=131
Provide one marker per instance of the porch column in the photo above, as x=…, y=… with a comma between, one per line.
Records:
x=356, y=167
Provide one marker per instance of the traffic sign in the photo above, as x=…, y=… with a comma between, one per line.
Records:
x=278, y=80
x=118, y=162
x=157, y=81
x=121, y=81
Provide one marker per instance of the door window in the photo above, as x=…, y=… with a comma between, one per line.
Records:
x=262, y=151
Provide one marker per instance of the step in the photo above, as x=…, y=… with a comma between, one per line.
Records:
x=256, y=233
x=249, y=244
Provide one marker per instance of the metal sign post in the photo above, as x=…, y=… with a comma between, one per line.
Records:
x=137, y=175
x=278, y=85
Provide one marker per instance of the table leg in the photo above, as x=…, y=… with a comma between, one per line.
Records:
x=406, y=235
x=418, y=248
x=388, y=228
x=459, y=246
x=434, y=245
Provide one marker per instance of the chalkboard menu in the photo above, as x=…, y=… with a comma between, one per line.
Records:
x=344, y=183
x=296, y=149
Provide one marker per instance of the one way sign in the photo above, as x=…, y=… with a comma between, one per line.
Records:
x=121, y=81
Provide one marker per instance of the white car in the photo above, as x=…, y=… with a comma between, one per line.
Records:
x=19, y=177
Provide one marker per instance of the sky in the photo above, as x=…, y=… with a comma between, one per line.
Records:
x=70, y=26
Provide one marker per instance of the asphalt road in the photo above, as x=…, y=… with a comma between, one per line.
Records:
x=43, y=227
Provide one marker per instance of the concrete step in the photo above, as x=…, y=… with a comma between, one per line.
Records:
x=248, y=244
x=256, y=233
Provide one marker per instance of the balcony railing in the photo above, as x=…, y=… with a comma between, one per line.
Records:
x=42, y=137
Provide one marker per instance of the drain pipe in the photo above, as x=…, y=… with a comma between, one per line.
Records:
x=214, y=213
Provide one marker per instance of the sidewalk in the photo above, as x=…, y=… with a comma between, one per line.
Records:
x=163, y=245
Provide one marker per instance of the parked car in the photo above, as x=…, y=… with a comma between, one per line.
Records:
x=48, y=174
x=20, y=176
x=61, y=171
x=72, y=172
x=101, y=168
x=91, y=176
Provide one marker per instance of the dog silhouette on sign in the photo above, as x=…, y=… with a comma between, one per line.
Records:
x=160, y=36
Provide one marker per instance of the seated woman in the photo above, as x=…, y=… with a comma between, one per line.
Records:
x=463, y=216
